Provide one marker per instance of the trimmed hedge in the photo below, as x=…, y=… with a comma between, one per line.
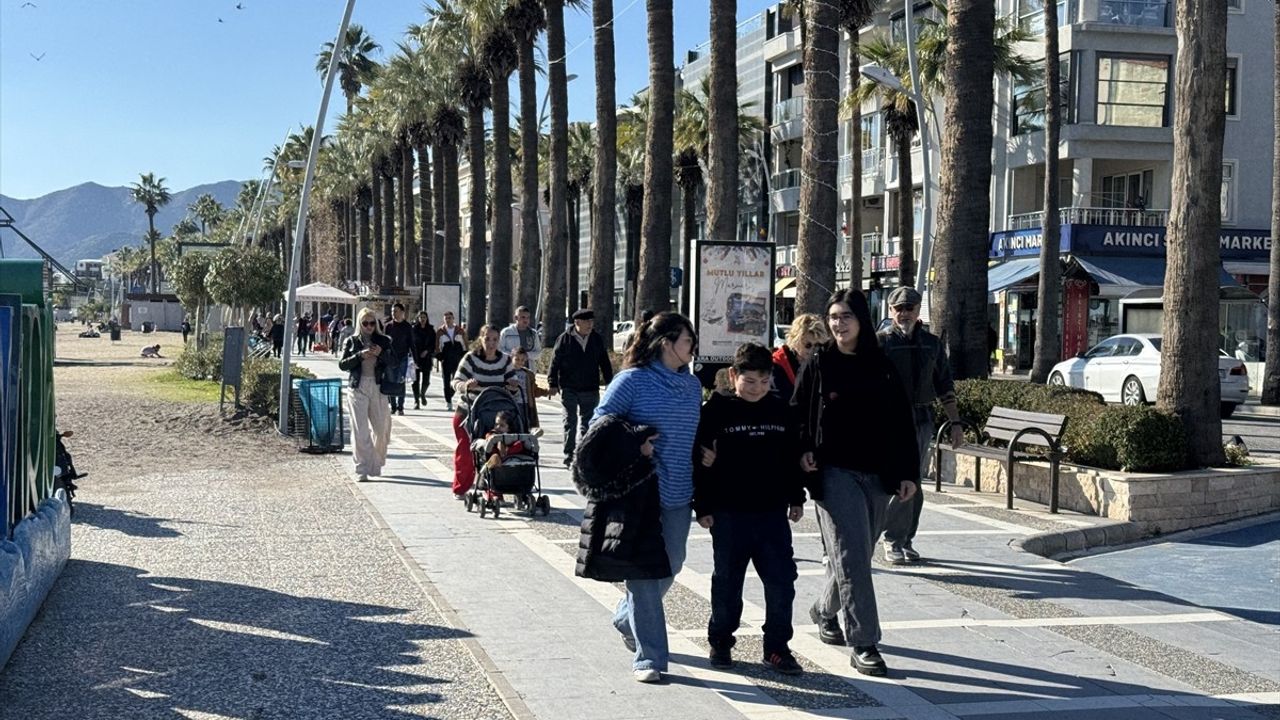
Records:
x=260, y=388
x=1110, y=437
x=203, y=364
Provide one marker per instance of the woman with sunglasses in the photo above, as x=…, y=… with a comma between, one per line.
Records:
x=364, y=357
x=656, y=389
x=807, y=332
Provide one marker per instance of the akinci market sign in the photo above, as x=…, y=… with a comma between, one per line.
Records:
x=1126, y=240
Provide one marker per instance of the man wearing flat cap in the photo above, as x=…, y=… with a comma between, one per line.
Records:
x=922, y=364
x=579, y=364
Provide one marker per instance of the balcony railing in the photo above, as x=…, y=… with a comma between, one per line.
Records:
x=790, y=109
x=1093, y=216
x=785, y=179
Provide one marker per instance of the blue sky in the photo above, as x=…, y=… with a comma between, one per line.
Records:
x=199, y=91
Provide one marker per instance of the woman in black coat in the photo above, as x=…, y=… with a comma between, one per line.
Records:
x=621, y=536
x=857, y=438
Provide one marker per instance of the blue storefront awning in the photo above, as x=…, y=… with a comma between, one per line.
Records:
x=1134, y=271
x=1011, y=272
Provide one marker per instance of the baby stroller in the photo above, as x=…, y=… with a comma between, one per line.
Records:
x=518, y=474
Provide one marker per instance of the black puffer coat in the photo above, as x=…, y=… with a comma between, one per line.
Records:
x=621, y=535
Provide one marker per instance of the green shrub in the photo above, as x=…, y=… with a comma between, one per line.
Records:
x=1133, y=439
x=196, y=364
x=260, y=388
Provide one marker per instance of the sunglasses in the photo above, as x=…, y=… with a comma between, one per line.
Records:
x=368, y=324
x=808, y=345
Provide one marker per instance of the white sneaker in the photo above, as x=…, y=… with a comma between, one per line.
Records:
x=647, y=676
x=362, y=478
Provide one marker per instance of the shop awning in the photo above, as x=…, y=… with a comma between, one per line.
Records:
x=782, y=284
x=1010, y=273
x=1134, y=272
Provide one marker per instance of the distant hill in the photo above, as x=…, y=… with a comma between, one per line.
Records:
x=87, y=221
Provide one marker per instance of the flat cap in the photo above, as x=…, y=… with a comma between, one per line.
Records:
x=584, y=314
x=904, y=296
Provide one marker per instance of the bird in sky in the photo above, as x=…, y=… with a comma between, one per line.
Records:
x=39, y=57
x=26, y=5
x=239, y=6
x=219, y=19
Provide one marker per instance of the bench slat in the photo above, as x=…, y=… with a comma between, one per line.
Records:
x=1028, y=416
x=1011, y=430
x=1006, y=436
x=1051, y=428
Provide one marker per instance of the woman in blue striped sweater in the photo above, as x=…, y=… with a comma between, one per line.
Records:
x=657, y=389
x=484, y=367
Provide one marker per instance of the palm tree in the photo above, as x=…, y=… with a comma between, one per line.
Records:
x=1271, y=379
x=501, y=57
x=633, y=130
x=652, y=287
x=1048, y=347
x=527, y=20
x=604, y=174
x=1189, y=385
x=356, y=66
x=151, y=193
x=208, y=210
x=581, y=159
x=853, y=15
x=722, y=110
x=819, y=199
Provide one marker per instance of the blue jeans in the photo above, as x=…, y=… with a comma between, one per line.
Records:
x=640, y=614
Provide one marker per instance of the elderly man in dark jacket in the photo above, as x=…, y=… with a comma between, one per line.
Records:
x=579, y=363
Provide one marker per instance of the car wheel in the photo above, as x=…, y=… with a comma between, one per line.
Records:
x=1057, y=380
x=1131, y=392
x=1227, y=410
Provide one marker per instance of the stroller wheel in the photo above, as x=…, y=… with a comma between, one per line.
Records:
x=544, y=504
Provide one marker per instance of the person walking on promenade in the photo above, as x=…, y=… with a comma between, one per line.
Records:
x=424, y=349
x=520, y=334
x=856, y=436
x=655, y=388
x=484, y=367
x=323, y=335
x=186, y=330
x=451, y=345
x=744, y=490
x=277, y=335
x=579, y=362
x=807, y=332
x=401, y=334
x=303, y=338
x=364, y=358
x=921, y=364
x=529, y=392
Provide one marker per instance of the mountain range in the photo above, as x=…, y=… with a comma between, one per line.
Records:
x=90, y=220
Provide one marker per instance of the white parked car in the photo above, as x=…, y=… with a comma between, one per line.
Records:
x=1126, y=369
x=622, y=333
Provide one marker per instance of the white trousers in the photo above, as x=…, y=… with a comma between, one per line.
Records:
x=370, y=426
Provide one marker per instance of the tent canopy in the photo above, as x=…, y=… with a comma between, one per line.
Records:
x=322, y=292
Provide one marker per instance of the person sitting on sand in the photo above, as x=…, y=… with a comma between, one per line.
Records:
x=151, y=351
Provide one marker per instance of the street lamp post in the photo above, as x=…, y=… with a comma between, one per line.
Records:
x=295, y=262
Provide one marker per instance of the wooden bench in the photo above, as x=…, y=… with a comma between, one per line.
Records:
x=1015, y=429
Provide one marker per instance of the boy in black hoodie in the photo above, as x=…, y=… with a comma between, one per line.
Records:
x=746, y=485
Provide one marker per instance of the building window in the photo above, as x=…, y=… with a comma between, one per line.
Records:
x=1130, y=190
x=1029, y=101
x=1233, y=71
x=1031, y=15
x=1228, y=200
x=1235, y=5
x=1133, y=91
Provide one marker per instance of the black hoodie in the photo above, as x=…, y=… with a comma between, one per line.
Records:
x=757, y=467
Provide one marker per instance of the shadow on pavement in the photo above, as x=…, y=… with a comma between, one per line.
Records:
x=113, y=642
x=124, y=521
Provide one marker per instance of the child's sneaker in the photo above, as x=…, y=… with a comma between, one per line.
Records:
x=783, y=662
x=721, y=656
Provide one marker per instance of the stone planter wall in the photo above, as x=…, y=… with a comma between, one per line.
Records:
x=1159, y=502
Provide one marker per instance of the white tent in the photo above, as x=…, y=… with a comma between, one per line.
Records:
x=323, y=293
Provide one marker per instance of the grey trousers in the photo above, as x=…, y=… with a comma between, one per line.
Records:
x=902, y=519
x=850, y=515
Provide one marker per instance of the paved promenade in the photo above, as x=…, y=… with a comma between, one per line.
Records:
x=980, y=630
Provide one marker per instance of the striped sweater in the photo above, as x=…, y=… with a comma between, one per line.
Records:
x=494, y=373
x=669, y=401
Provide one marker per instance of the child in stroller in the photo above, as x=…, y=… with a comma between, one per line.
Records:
x=506, y=456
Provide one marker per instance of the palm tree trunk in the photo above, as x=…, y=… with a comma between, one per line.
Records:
x=553, y=270
x=634, y=219
x=722, y=122
x=689, y=196
x=653, y=287
x=500, y=252
x=1189, y=385
x=1048, y=348
x=452, y=218
x=476, y=250
x=151, y=240
x=530, y=241
x=378, y=277
x=959, y=299
x=1271, y=377
x=389, y=230
x=365, y=251
x=409, y=227
x=438, y=165
x=604, y=175
x=571, y=257
x=819, y=199
x=426, y=240
x=854, y=212
x=906, y=214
